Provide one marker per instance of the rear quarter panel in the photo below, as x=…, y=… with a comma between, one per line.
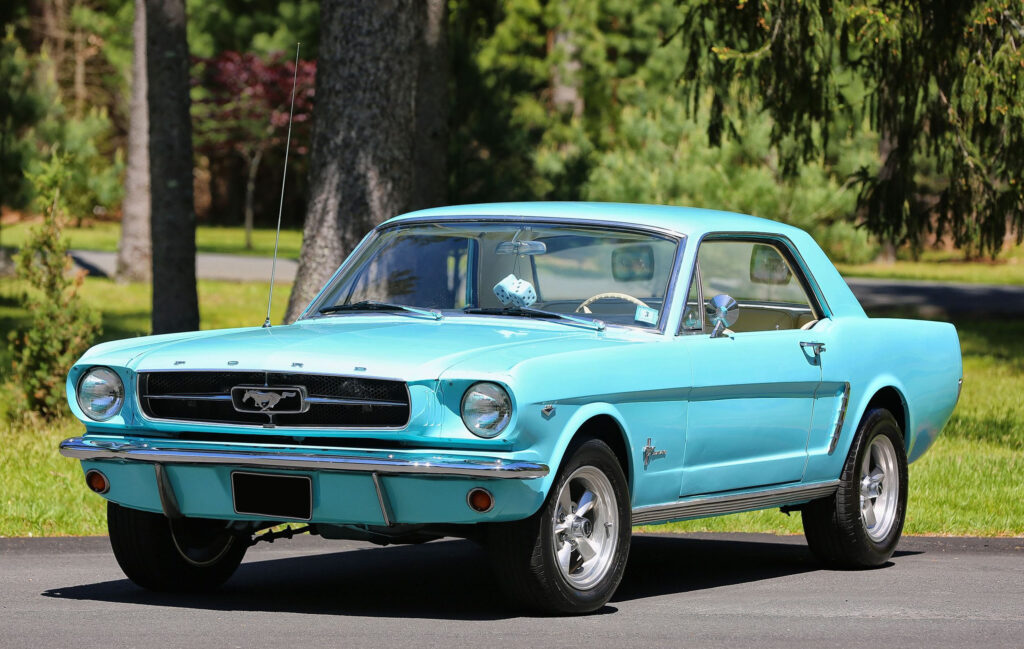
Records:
x=920, y=359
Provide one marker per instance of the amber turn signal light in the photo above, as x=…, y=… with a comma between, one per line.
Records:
x=97, y=481
x=480, y=499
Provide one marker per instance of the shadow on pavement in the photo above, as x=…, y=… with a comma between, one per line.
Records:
x=452, y=580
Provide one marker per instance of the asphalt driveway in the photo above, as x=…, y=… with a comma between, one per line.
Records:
x=693, y=590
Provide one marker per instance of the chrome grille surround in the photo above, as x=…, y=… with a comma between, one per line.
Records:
x=334, y=401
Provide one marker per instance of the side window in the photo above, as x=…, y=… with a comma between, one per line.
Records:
x=760, y=277
x=693, y=313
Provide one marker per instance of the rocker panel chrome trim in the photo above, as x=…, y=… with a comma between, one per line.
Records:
x=713, y=505
x=384, y=463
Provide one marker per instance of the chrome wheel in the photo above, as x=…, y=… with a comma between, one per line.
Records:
x=585, y=527
x=879, y=488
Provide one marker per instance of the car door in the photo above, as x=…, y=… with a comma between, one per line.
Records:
x=754, y=385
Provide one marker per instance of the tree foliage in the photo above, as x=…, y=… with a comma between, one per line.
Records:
x=21, y=106
x=243, y=107
x=939, y=80
x=536, y=91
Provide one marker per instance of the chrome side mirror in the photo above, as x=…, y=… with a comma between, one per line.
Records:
x=722, y=312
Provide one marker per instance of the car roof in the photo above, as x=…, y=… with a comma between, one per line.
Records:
x=690, y=221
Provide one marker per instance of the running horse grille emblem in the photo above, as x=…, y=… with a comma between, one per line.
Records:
x=265, y=400
x=280, y=400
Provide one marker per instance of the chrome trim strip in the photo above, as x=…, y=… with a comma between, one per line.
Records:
x=382, y=499
x=191, y=397
x=469, y=217
x=168, y=501
x=312, y=400
x=356, y=402
x=320, y=459
x=713, y=505
x=842, y=417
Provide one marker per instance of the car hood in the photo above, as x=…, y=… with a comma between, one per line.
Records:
x=392, y=346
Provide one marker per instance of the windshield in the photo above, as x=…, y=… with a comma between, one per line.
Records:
x=617, y=276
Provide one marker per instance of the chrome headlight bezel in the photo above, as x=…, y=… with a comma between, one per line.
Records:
x=88, y=395
x=486, y=409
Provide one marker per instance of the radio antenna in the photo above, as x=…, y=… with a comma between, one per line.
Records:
x=284, y=177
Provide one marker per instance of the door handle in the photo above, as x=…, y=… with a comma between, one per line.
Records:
x=817, y=348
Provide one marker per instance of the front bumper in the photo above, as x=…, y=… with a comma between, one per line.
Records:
x=380, y=462
x=350, y=486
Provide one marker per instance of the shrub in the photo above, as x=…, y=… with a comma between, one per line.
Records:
x=62, y=327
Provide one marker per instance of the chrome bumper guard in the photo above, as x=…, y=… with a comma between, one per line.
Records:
x=380, y=462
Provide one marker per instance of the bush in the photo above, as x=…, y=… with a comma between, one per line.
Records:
x=62, y=327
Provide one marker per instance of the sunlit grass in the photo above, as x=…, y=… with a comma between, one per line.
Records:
x=43, y=493
x=947, y=266
x=230, y=240
x=126, y=308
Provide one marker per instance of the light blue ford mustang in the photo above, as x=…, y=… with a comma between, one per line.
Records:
x=535, y=376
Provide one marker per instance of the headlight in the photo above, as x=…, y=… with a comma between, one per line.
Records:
x=100, y=393
x=486, y=409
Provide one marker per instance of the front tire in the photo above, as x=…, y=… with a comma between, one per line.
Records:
x=861, y=524
x=188, y=555
x=569, y=557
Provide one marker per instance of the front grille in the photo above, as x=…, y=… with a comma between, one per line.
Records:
x=333, y=401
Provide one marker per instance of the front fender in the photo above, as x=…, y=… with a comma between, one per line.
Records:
x=572, y=426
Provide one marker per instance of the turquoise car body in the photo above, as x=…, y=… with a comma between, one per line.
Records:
x=702, y=425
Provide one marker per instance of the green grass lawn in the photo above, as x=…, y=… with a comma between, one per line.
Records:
x=126, y=308
x=947, y=266
x=971, y=482
x=230, y=240
x=1011, y=272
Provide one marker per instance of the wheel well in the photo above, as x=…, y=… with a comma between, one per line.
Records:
x=891, y=399
x=606, y=429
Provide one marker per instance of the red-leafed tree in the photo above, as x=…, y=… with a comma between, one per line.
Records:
x=242, y=109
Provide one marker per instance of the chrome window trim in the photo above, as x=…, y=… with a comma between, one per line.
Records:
x=269, y=456
x=679, y=238
x=277, y=429
x=819, y=302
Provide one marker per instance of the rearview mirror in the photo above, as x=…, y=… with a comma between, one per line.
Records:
x=633, y=263
x=521, y=248
x=767, y=266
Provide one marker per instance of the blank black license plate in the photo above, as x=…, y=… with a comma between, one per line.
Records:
x=277, y=496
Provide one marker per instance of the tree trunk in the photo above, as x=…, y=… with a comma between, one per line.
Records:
x=175, y=302
x=78, y=40
x=430, y=174
x=134, y=255
x=361, y=164
x=250, y=191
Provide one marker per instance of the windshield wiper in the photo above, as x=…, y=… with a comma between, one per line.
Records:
x=374, y=305
x=527, y=312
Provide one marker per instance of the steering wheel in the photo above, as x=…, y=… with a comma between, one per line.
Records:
x=582, y=308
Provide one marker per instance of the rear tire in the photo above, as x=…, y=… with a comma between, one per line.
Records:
x=569, y=557
x=188, y=555
x=861, y=524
